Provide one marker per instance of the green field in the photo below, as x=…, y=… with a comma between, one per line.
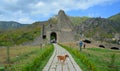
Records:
x=96, y=59
x=26, y=58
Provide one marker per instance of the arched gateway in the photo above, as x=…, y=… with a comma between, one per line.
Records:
x=53, y=37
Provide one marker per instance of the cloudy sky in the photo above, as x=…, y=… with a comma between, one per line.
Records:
x=29, y=11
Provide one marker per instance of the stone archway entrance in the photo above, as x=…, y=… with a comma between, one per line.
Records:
x=53, y=37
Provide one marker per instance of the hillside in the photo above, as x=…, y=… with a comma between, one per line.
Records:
x=98, y=28
x=77, y=20
x=20, y=35
x=7, y=25
x=115, y=18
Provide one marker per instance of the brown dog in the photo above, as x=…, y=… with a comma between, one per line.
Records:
x=62, y=58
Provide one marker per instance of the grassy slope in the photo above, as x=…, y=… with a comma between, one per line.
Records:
x=100, y=59
x=115, y=18
x=21, y=35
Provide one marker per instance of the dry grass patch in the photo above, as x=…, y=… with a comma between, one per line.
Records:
x=15, y=52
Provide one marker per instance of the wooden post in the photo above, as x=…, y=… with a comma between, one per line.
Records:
x=80, y=48
x=8, y=54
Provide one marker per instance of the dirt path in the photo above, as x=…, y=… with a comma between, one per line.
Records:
x=54, y=65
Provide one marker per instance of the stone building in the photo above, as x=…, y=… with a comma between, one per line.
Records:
x=59, y=30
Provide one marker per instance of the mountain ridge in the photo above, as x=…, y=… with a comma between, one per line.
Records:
x=7, y=25
x=115, y=18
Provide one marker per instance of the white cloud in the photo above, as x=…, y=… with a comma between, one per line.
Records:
x=25, y=20
x=11, y=1
x=40, y=4
x=18, y=16
x=25, y=11
x=93, y=15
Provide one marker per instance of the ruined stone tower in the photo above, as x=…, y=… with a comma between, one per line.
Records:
x=59, y=31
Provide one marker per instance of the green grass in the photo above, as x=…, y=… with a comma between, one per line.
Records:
x=33, y=61
x=44, y=62
x=79, y=62
x=81, y=59
x=96, y=59
x=102, y=58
